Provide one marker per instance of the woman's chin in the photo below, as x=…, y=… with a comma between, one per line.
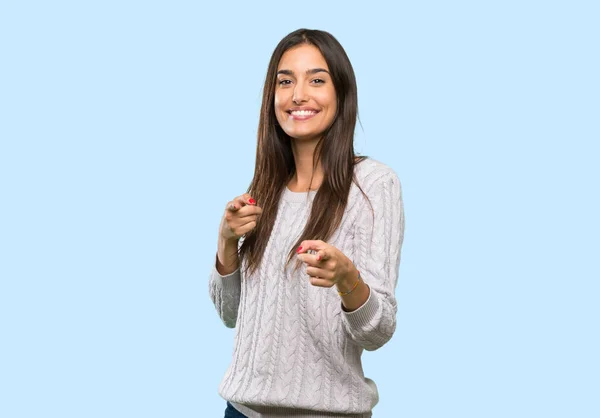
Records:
x=305, y=136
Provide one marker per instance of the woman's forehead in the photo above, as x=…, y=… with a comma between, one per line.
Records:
x=302, y=58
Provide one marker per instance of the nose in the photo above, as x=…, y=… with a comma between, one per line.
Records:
x=299, y=94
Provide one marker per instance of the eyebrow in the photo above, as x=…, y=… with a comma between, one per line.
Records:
x=309, y=71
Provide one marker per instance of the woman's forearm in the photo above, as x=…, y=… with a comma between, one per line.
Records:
x=358, y=296
x=227, y=256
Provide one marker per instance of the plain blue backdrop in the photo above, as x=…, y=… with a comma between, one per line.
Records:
x=125, y=127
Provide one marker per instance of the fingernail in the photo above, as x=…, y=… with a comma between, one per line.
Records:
x=318, y=257
x=299, y=249
x=251, y=201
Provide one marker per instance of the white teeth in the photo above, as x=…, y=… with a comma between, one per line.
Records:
x=303, y=112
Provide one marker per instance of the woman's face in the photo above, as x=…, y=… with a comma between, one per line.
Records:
x=305, y=99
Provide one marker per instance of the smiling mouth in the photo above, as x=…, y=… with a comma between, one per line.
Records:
x=302, y=114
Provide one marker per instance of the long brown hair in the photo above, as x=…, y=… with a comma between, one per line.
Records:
x=275, y=164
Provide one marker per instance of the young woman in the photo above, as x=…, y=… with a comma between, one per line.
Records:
x=308, y=258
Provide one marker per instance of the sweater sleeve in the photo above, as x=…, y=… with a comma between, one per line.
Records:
x=225, y=293
x=380, y=234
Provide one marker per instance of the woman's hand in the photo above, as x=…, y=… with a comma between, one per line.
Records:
x=239, y=218
x=328, y=265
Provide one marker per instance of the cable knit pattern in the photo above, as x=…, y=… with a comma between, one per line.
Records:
x=296, y=352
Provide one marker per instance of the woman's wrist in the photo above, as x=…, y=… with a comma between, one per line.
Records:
x=353, y=291
x=349, y=285
x=227, y=256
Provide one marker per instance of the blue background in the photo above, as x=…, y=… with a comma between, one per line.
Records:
x=125, y=127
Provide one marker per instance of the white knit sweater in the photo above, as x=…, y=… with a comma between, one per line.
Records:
x=296, y=352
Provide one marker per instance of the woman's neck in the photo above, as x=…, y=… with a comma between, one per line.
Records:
x=303, y=151
x=303, y=186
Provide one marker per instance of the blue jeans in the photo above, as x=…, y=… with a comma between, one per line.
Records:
x=231, y=412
